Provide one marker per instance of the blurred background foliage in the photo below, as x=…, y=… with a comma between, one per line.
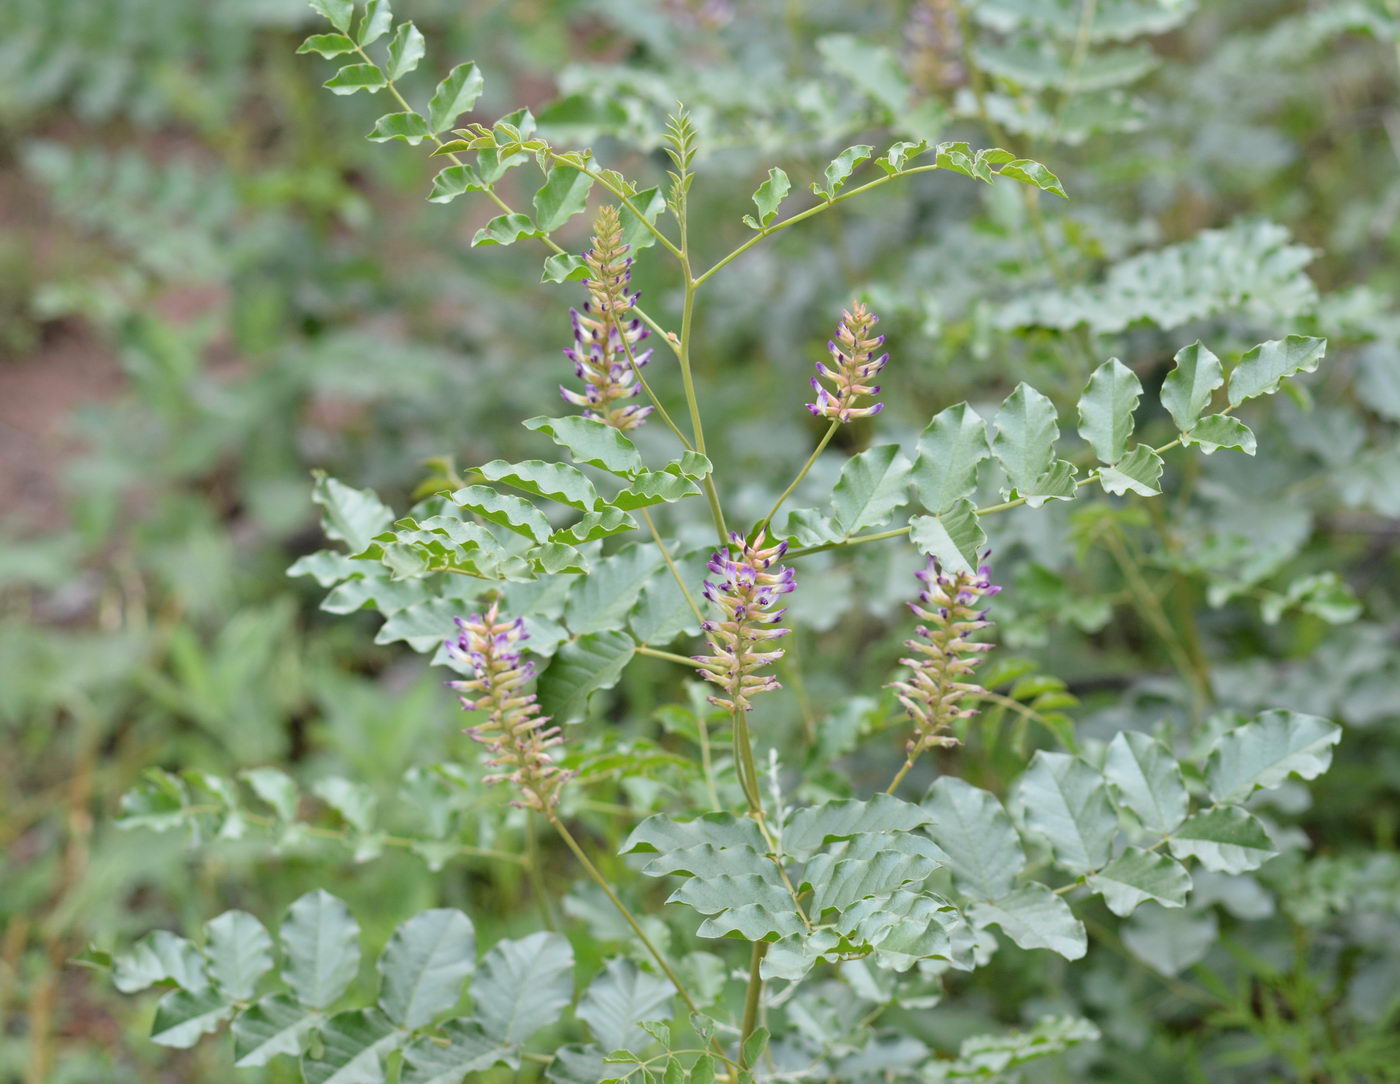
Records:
x=211, y=284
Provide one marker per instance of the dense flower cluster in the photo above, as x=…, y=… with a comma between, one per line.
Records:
x=851, y=350
x=517, y=736
x=944, y=655
x=604, y=352
x=748, y=586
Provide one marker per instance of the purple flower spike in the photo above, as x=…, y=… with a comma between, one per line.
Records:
x=944, y=654
x=605, y=341
x=515, y=734
x=852, y=350
x=750, y=583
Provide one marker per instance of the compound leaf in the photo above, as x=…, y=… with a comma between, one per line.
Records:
x=1147, y=780
x=1106, y=409
x=1267, y=750
x=975, y=837
x=945, y=468
x=523, y=985
x=1224, y=840
x=1063, y=799
x=425, y=964
x=321, y=940
x=1137, y=876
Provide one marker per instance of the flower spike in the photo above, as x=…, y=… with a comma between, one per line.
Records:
x=852, y=351
x=516, y=735
x=749, y=585
x=604, y=340
x=944, y=658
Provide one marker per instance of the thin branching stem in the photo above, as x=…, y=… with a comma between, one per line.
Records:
x=671, y=564
x=801, y=474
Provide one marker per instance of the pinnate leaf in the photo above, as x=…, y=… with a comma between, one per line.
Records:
x=872, y=485
x=1224, y=840
x=453, y=182
x=354, y=77
x=406, y=49
x=1187, y=389
x=352, y=516
x=376, y=21
x=1267, y=750
x=945, y=468
x=505, y=230
x=338, y=12
x=327, y=45
x=183, y=1017
x=425, y=964
x=523, y=985
x=811, y=828
x=1106, y=409
x=1147, y=780
x=975, y=836
x=556, y=481
x=1216, y=431
x=352, y=1049
x=1063, y=799
x=840, y=168
x=1262, y=368
x=563, y=195
x=768, y=198
x=1136, y=876
x=1034, y=917
x=468, y=1050
x=620, y=1000
x=591, y=442
x=1140, y=472
x=661, y=834
x=273, y=1026
x=506, y=509
x=239, y=950
x=409, y=128
x=955, y=536
x=579, y=669
x=160, y=956
x=321, y=941
x=454, y=96
x=1027, y=427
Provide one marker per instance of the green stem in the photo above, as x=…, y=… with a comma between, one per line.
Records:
x=693, y=403
x=346, y=838
x=506, y=208
x=1026, y=711
x=743, y=761
x=913, y=755
x=802, y=216
x=623, y=910
x=671, y=564
x=637, y=372
x=880, y=536
x=669, y=656
x=1150, y=606
x=707, y=763
x=801, y=474
x=532, y=867
x=753, y=996
x=622, y=196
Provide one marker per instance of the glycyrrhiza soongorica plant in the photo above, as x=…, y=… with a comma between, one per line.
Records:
x=612, y=550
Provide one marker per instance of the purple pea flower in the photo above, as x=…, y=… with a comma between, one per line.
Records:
x=604, y=353
x=944, y=655
x=517, y=737
x=852, y=351
x=746, y=587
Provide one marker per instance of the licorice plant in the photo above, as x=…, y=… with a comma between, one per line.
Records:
x=539, y=582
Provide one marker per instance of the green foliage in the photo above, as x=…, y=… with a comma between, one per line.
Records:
x=1150, y=767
